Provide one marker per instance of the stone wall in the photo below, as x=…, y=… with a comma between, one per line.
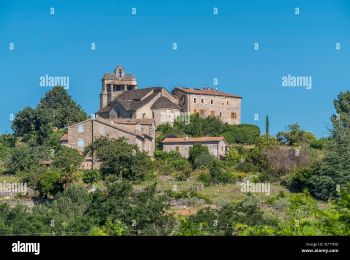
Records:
x=218, y=149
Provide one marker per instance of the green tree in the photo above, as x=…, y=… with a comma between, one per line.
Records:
x=91, y=176
x=61, y=107
x=67, y=161
x=49, y=183
x=120, y=158
x=55, y=110
x=197, y=150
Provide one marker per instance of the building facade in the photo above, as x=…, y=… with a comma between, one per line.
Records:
x=138, y=132
x=133, y=113
x=210, y=102
x=217, y=146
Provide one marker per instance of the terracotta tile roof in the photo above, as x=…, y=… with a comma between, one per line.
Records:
x=193, y=139
x=211, y=92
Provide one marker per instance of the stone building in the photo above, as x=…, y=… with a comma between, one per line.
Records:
x=148, y=103
x=217, y=146
x=126, y=111
x=210, y=102
x=135, y=131
x=113, y=84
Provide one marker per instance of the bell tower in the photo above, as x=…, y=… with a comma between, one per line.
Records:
x=113, y=84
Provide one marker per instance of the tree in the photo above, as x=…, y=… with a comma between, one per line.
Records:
x=25, y=158
x=67, y=161
x=195, y=151
x=50, y=183
x=142, y=213
x=267, y=127
x=31, y=126
x=295, y=136
x=55, y=110
x=120, y=158
x=91, y=176
x=242, y=134
x=333, y=172
x=61, y=107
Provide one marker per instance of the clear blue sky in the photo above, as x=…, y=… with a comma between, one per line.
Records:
x=209, y=46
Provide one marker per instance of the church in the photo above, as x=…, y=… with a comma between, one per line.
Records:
x=135, y=113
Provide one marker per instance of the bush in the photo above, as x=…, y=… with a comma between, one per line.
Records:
x=204, y=160
x=91, y=176
x=298, y=180
x=120, y=158
x=322, y=187
x=205, y=178
x=50, y=183
x=233, y=157
x=216, y=175
x=282, y=159
x=167, y=156
x=242, y=134
x=197, y=150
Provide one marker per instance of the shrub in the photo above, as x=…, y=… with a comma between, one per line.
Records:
x=50, y=183
x=282, y=159
x=195, y=151
x=204, y=160
x=205, y=178
x=298, y=180
x=242, y=134
x=91, y=176
x=322, y=187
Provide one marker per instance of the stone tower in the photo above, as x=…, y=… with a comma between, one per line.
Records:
x=113, y=84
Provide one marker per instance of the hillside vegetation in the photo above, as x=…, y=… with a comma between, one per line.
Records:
x=288, y=184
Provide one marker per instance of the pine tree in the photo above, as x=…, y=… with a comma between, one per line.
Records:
x=267, y=127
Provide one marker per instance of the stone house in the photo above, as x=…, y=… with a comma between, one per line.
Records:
x=217, y=146
x=135, y=131
x=210, y=102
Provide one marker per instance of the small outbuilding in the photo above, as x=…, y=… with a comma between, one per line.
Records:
x=217, y=146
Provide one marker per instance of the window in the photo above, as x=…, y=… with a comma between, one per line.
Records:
x=211, y=102
x=102, y=130
x=212, y=113
x=80, y=128
x=177, y=148
x=201, y=112
x=108, y=88
x=144, y=115
x=80, y=143
x=120, y=73
x=228, y=103
x=115, y=87
x=195, y=100
x=220, y=114
x=202, y=100
x=233, y=115
x=120, y=88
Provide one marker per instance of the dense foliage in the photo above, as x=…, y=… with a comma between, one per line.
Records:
x=123, y=197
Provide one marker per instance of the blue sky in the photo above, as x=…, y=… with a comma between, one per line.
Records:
x=209, y=46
